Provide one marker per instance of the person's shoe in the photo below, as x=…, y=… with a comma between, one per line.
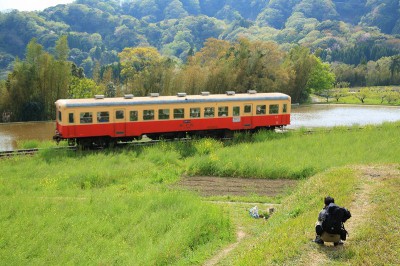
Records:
x=318, y=240
x=338, y=243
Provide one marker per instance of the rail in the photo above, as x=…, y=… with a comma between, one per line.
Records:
x=6, y=154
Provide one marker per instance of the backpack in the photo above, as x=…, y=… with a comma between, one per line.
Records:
x=335, y=216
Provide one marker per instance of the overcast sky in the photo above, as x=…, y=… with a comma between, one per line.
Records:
x=30, y=5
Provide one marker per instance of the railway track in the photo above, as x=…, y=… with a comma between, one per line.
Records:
x=20, y=152
x=24, y=152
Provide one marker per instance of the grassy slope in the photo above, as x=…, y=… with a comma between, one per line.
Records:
x=119, y=208
x=285, y=239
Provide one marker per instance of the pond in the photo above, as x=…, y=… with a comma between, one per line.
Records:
x=11, y=133
x=326, y=115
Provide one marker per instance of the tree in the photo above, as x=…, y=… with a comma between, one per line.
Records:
x=339, y=93
x=321, y=79
x=301, y=62
x=362, y=94
x=394, y=66
x=390, y=95
x=83, y=88
x=62, y=70
x=38, y=81
x=142, y=70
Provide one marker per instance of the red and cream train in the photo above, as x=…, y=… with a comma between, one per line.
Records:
x=100, y=121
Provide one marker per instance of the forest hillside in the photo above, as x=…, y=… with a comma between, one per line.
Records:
x=350, y=32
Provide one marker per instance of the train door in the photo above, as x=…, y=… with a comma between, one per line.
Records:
x=119, y=122
x=247, y=116
x=71, y=123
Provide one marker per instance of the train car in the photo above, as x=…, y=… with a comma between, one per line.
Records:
x=100, y=121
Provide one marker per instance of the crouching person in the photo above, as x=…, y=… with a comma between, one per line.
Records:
x=330, y=224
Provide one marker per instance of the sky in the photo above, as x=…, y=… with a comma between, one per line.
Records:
x=30, y=5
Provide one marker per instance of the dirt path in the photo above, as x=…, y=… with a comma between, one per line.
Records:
x=359, y=208
x=220, y=255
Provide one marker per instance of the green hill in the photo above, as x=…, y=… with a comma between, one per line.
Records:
x=98, y=30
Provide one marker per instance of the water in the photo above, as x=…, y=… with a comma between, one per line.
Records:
x=11, y=133
x=324, y=115
x=303, y=116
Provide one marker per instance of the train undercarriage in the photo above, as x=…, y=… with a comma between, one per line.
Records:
x=107, y=141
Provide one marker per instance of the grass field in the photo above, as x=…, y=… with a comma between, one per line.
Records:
x=103, y=208
x=123, y=207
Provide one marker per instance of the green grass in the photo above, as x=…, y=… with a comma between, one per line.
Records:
x=123, y=206
x=103, y=209
x=285, y=236
x=377, y=240
x=298, y=155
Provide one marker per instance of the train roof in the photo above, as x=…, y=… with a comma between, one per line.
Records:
x=129, y=100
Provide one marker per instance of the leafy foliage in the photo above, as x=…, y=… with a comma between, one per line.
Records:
x=256, y=47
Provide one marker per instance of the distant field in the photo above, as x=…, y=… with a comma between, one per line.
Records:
x=127, y=207
x=372, y=95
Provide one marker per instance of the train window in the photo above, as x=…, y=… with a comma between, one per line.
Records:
x=179, y=113
x=274, y=108
x=148, y=114
x=247, y=108
x=209, y=112
x=103, y=117
x=71, y=118
x=194, y=112
x=133, y=115
x=284, y=108
x=260, y=110
x=163, y=114
x=119, y=114
x=86, y=118
x=223, y=111
x=59, y=116
x=236, y=111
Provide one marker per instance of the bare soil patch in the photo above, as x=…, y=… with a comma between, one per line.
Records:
x=229, y=186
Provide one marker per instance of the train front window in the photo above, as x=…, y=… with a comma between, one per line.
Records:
x=86, y=118
x=59, y=116
x=119, y=114
x=274, y=108
x=236, y=111
x=284, y=108
x=223, y=111
x=71, y=118
x=179, y=113
x=194, y=112
x=148, y=114
x=103, y=117
x=260, y=109
x=133, y=115
x=163, y=114
x=209, y=112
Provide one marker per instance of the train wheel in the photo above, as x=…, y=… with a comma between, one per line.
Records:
x=71, y=142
